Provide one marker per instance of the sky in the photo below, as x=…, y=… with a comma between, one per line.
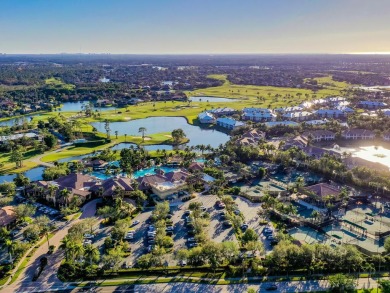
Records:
x=194, y=26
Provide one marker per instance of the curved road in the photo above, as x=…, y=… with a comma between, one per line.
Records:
x=48, y=279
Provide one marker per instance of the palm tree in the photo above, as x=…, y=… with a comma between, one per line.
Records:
x=142, y=130
x=65, y=194
x=116, y=134
x=91, y=253
x=66, y=244
x=10, y=248
x=125, y=137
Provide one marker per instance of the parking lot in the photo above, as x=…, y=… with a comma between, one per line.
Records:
x=215, y=229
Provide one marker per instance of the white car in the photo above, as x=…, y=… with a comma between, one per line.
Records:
x=89, y=236
x=86, y=242
x=136, y=222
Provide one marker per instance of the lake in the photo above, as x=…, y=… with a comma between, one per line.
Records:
x=78, y=106
x=211, y=99
x=196, y=134
x=34, y=174
x=375, y=154
x=17, y=120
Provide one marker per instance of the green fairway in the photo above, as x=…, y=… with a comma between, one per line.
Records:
x=58, y=83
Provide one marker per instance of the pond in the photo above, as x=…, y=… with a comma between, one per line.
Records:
x=17, y=120
x=197, y=135
x=33, y=174
x=78, y=106
x=211, y=99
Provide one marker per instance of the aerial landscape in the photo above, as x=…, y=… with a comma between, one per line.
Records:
x=204, y=146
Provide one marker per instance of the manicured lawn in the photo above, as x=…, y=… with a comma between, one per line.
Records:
x=58, y=83
x=157, y=138
x=9, y=167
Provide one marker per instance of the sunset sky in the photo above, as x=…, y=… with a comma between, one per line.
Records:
x=194, y=26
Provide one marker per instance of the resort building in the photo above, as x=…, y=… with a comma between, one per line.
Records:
x=258, y=114
x=357, y=133
x=320, y=135
x=323, y=190
x=206, y=118
x=330, y=113
x=219, y=112
x=164, y=184
x=229, y=123
x=371, y=104
x=78, y=186
x=114, y=187
x=289, y=109
x=297, y=116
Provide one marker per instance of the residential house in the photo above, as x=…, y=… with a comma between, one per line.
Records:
x=357, y=133
x=229, y=123
x=317, y=153
x=206, y=118
x=320, y=135
x=7, y=217
x=251, y=137
x=316, y=122
x=298, y=141
x=258, y=114
x=371, y=104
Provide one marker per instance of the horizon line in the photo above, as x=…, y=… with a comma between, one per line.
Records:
x=194, y=53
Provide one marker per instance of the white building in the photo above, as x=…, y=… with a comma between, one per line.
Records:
x=357, y=133
x=206, y=118
x=297, y=116
x=258, y=114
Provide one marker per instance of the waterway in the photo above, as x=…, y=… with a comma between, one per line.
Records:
x=195, y=134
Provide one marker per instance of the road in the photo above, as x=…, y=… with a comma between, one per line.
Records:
x=48, y=279
x=294, y=286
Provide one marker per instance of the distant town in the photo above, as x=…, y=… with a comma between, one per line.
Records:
x=211, y=169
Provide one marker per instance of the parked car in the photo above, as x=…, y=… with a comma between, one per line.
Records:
x=272, y=287
x=183, y=263
x=191, y=239
x=193, y=244
x=89, y=236
x=136, y=222
x=227, y=224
